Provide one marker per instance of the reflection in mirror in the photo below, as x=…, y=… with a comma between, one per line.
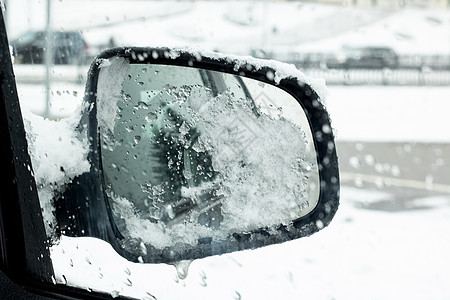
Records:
x=192, y=155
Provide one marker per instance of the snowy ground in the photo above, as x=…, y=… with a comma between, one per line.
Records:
x=390, y=113
x=362, y=255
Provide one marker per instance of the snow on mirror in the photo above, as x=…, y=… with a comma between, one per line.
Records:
x=192, y=155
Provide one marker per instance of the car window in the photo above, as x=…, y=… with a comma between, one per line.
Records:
x=386, y=65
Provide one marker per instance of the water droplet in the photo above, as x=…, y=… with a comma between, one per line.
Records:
x=128, y=282
x=290, y=277
x=330, y=146
x=63, y=279
x=429, y=182
x=137, y=139
x=237, y=295
x=127, y=271
x=203, y=279
x=326, y=129
x=369, y=159
x=395, y=170
x=379, y=168
x=407, y=148
x=358, y=182
x=379, y=182
x=319, y=224
x=359, y=147
x=143, y=248
x=182, y=268
x=114, y=294
x=151, y=296
x=127, y=97
x=270, y=75
x=439, y=162
x=141, y=83
x=354, y=162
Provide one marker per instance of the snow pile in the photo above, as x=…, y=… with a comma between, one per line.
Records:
x=109, y=91
x=282, y=70
x=58, y=153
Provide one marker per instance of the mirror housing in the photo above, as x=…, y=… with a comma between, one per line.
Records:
x=85, y=208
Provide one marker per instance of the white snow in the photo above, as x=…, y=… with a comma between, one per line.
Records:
x=109, y=88
x=58, y=154
x=282, y=70
x=363, y=254
x=390, y=113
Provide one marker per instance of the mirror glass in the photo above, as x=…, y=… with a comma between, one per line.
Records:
x=190, y=154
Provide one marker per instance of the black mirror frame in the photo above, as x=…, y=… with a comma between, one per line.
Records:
x=90, y=222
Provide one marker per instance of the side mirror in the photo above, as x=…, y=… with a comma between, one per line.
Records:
x=198, y=154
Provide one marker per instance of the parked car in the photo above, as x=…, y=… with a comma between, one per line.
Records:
x=68, y=47
x=367, y=57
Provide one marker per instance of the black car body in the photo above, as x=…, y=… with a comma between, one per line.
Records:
x=68, y=47
x=370, y=57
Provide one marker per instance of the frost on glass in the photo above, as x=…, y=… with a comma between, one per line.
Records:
x=191, y=154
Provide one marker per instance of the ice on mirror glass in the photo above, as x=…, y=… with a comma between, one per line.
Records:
x=190, y=154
